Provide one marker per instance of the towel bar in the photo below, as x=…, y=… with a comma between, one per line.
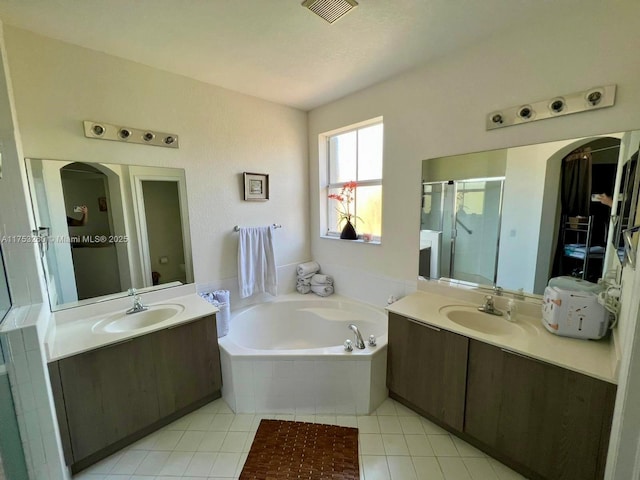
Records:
x=275, y=225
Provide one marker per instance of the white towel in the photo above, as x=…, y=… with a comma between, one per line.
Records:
x=322, y=290
x=303, y=281
x=256, y=261
x=304, y=289
x=307, y=268
x=319, y=279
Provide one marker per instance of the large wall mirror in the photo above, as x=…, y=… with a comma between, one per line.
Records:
x=519, y=216
x=106, y=228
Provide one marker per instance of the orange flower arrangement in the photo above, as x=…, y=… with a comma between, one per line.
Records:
x=346, y=198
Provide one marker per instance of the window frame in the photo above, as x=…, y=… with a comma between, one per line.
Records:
x=325, y=156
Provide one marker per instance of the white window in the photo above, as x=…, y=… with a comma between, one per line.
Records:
x=354, y=180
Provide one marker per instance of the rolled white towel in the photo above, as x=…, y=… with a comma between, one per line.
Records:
x=223, y=317
x=220, y=299
x=307, y=268
x=222, y=296
x=320, y=279
x=304, y=281
x=322, y=290
x=304, y=289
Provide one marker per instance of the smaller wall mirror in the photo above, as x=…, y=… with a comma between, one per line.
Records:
x=518, y=216
x=106, y=228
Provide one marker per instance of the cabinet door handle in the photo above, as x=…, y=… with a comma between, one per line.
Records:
x=423, y=324
x=511, y=352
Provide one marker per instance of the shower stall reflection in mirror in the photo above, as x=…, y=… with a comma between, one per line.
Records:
x=460, y=218
x=162, y=220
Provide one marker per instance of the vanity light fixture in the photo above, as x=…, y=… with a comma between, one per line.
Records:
x=592, y=99
x=106, y=131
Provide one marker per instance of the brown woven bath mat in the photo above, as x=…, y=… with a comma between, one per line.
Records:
x=299, y=450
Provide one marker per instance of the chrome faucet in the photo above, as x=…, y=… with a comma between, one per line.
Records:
x=489, y=307
x=359, y=340
x=138, y=306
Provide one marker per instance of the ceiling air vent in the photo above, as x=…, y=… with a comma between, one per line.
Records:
x=330, y=10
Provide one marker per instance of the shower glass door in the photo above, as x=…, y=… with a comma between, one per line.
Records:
x=464, y=215
x=476, y=228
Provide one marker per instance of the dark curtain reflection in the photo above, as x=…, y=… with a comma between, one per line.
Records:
x=576, y=184
x=575, y=195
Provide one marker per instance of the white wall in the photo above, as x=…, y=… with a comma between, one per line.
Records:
x=222, y=134
x=440, y=110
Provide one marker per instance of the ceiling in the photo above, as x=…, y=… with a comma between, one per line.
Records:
x=276, y=49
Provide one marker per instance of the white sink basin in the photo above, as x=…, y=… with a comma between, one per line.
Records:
x=471, y=317
x=123, y=322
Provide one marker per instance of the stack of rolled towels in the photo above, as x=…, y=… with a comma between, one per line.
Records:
x=311, y=280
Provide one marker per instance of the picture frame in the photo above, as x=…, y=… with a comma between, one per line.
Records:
x=256, y=187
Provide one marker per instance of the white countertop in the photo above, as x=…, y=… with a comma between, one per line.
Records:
x=594, y=358
x=73, y=336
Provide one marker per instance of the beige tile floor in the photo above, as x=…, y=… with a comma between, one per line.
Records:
x=212, y=443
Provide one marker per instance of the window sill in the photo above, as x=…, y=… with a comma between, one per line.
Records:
x=370, y=242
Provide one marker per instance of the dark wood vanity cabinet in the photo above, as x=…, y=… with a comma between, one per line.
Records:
x=111, y=396
x=427, y=367
x=542, y=420
x=553, y=421
x=186, y=370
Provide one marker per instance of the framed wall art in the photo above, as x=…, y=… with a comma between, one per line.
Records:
x=256, y=187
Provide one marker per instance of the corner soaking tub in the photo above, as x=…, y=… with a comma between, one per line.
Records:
x=287, y=356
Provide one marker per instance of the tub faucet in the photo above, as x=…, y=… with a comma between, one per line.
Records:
x=359, y=340
x=138, y=306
